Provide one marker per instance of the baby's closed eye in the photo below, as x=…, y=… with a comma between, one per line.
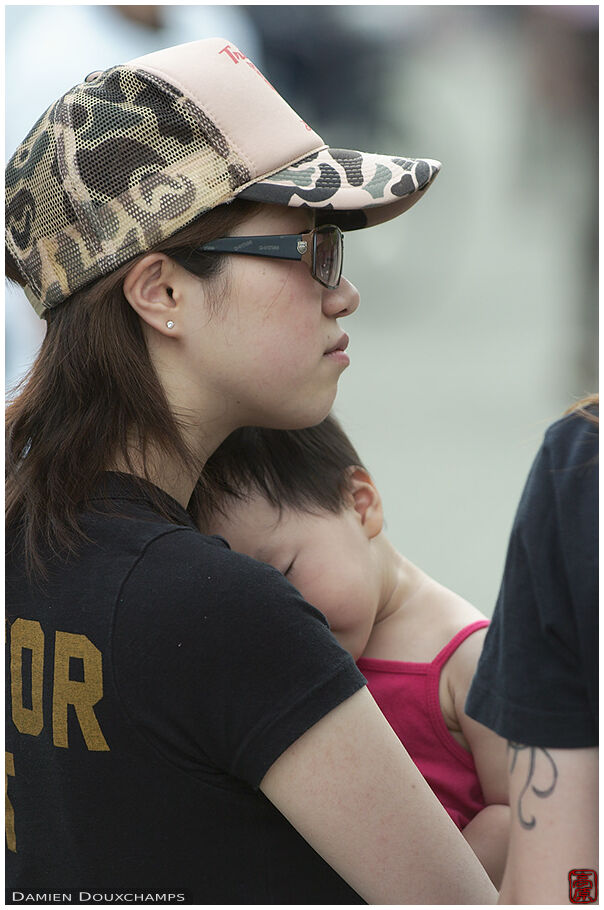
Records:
x=287, y=571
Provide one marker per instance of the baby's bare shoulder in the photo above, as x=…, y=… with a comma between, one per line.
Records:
x=448, y=613
x=426, y=623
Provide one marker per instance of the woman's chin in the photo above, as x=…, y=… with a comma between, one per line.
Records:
x=308, y=415
x=313, y=412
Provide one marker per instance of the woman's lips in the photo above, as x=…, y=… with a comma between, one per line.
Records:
x=337, y=351
x=340, y=345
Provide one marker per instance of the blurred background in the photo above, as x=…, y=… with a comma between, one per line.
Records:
x=478, y=317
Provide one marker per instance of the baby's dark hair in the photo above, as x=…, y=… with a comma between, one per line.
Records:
x=300, y=469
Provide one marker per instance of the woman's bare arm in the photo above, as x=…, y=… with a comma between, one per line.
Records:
x=349, y=787
x=554, y=803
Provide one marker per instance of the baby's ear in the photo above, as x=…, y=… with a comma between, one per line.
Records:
x=367, y=501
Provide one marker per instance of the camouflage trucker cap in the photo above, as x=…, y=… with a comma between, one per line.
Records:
x=135, y=153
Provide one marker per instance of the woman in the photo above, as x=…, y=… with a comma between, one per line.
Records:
x=182, y=723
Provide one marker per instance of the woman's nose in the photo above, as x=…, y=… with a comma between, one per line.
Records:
x=341, y=301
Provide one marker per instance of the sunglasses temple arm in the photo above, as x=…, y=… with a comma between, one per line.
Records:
x=277, y=247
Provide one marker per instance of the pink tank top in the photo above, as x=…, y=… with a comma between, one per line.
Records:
x=407, y=694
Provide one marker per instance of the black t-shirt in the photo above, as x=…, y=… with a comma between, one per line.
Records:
x=536, y=681
x=152, y=681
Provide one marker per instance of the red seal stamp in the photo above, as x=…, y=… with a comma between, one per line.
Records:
x=582, y=886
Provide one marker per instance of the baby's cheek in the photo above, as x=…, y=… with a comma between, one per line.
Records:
x=352, y=628
x=344, y=609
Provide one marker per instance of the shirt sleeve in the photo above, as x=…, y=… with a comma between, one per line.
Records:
x=219, y=661
x=536, y=679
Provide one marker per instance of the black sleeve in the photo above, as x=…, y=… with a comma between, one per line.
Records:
x=536, y=681
x=219, y=661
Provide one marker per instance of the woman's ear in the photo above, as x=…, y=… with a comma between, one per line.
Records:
x=367, y=501
x=150, y=287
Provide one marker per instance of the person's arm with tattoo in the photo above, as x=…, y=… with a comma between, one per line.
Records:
x=536, y=681
x=554, y=806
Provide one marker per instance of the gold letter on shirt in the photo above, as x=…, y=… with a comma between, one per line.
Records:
x=9, y=812
x=27, y=635
x=82, y=695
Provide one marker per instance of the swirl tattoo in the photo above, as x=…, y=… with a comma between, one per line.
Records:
x=534, y=752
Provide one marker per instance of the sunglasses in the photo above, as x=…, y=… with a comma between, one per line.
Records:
x=322, y=249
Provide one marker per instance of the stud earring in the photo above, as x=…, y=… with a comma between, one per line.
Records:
x=169, y=324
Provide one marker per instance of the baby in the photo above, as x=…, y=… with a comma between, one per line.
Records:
x=302, y=501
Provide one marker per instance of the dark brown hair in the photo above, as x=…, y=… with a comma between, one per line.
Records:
x=91, y=395
x=300, y=469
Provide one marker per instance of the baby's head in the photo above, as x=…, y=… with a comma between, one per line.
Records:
x=302, y=501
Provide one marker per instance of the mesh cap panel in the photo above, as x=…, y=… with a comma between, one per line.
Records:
x=72, y=215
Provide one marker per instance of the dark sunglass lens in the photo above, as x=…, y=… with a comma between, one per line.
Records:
x=328, y=256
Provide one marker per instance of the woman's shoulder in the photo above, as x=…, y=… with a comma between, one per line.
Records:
x=189, y=550
x=182, y=565
x=564, y=472
x=572, y=440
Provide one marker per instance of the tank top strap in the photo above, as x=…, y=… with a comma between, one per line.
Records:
x=443, y=656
